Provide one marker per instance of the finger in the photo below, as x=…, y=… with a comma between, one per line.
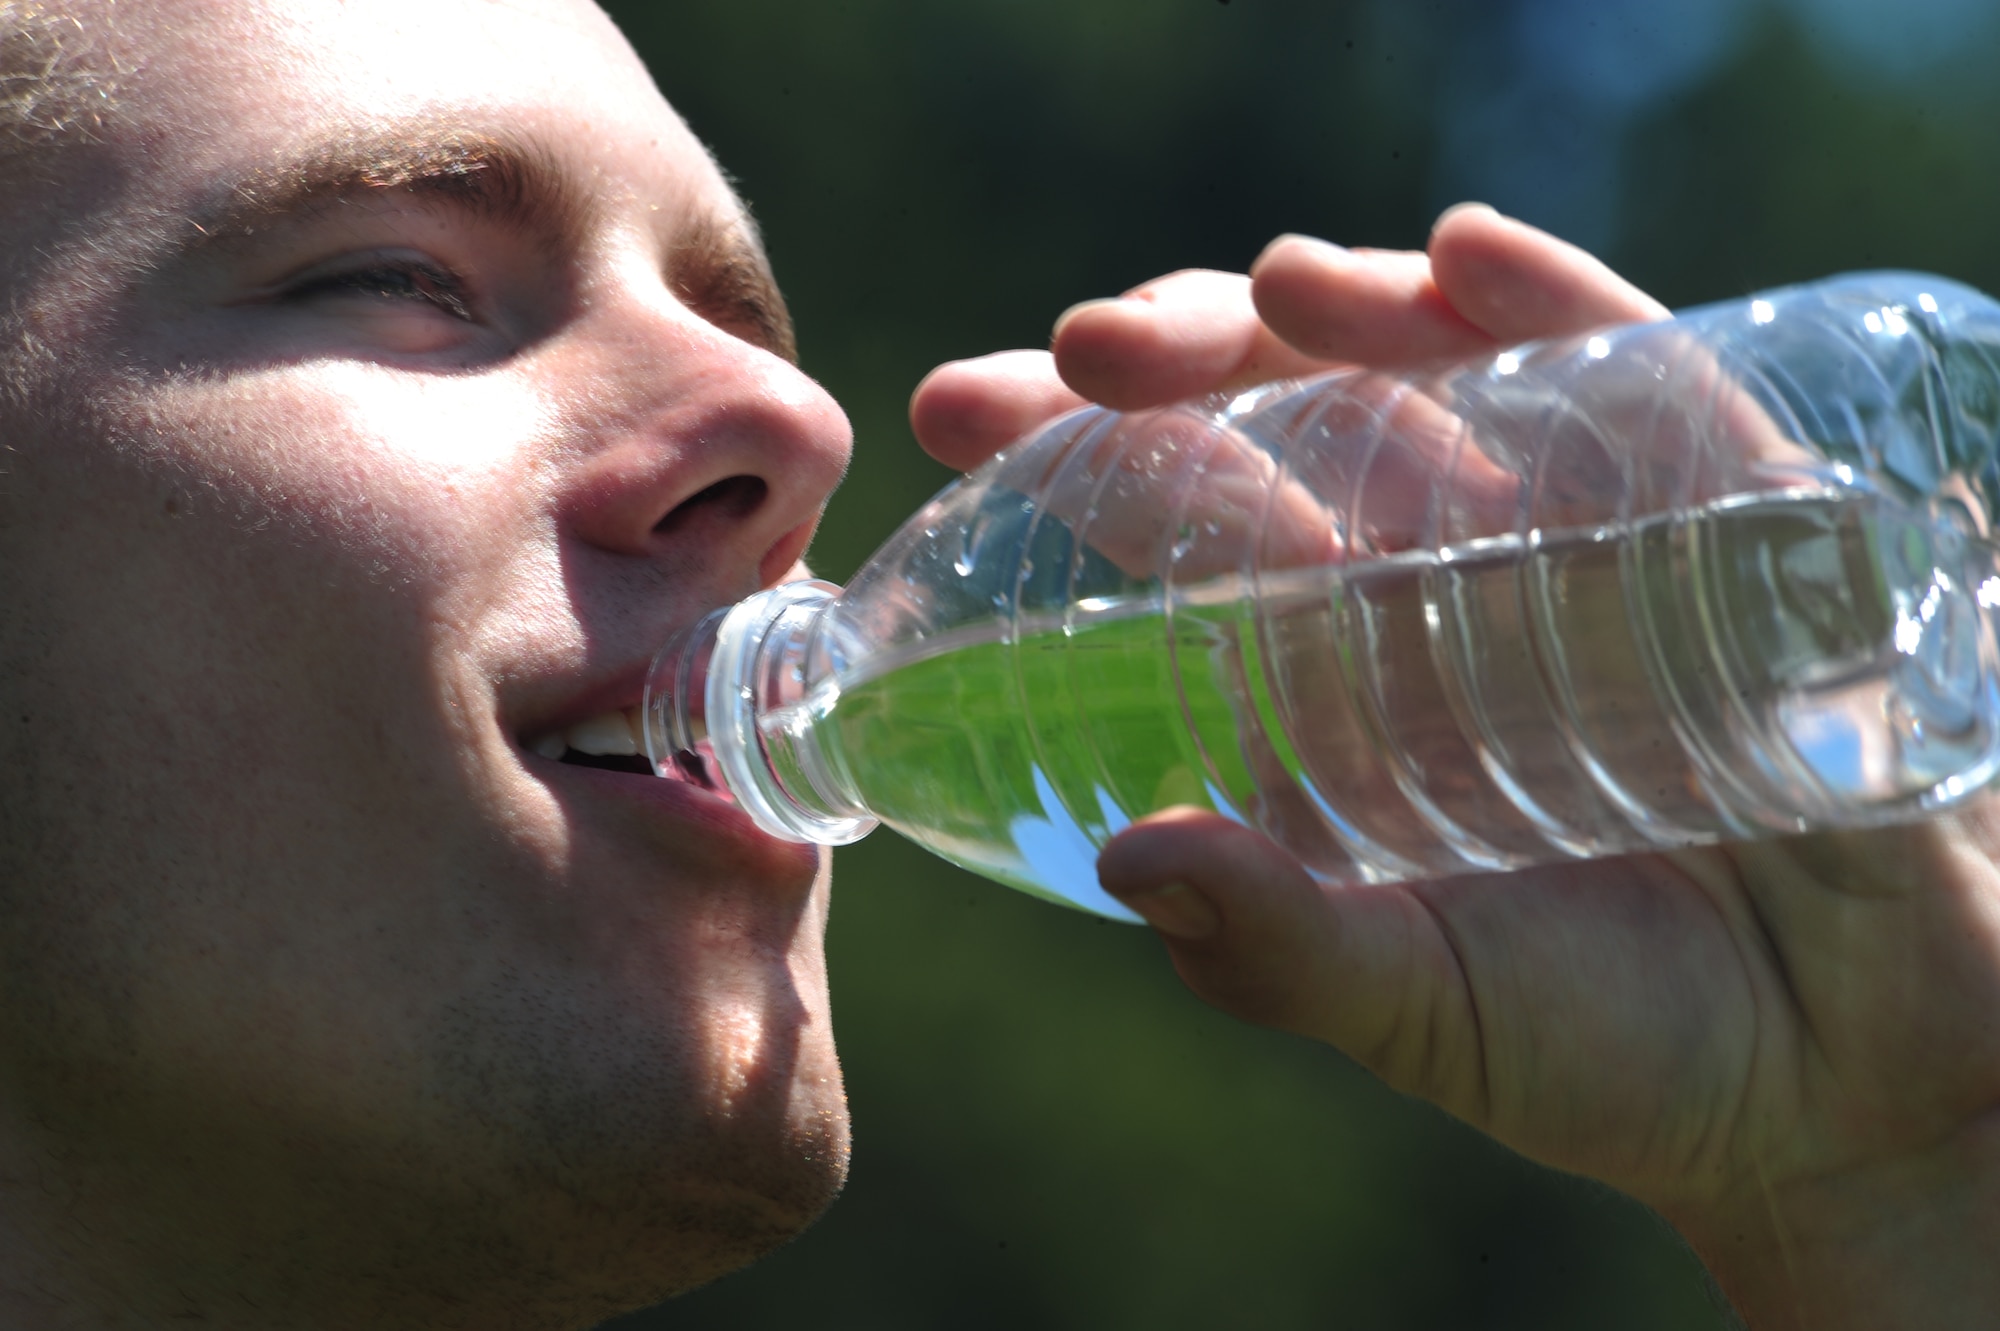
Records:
x=1378, y=308
x=966, y=411
x=1177, y=337
x=1365, y=968
x=1169, y=493
x=1518, y=283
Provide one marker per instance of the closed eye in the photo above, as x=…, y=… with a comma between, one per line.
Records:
x=396, y=280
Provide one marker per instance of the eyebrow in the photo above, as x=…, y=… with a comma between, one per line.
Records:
x=716, y=264
x=516, y=184
x=719, y=270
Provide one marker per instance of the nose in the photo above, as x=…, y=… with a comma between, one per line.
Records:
x=695, y=447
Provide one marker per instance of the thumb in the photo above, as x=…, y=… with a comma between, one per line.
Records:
x=1364, y=967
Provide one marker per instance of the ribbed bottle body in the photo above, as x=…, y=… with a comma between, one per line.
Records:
x=1727, y=576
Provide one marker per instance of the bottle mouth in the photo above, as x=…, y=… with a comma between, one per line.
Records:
x=726, y=708
x=674, y=706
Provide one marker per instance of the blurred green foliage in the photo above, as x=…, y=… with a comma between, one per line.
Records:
x=1049, y=1131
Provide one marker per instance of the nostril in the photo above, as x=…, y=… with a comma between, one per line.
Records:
x=732, y=499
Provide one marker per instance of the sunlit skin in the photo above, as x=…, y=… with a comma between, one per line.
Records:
x=1788, y=1048
x=403, y=371
x=346, y=472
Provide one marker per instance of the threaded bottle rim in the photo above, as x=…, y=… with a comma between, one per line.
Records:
x=706, y=703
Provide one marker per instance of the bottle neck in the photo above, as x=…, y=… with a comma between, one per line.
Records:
x=731, y=702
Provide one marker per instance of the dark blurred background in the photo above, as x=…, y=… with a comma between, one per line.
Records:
x=1048, y=1131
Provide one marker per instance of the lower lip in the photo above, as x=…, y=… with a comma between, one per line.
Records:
x=712, y=813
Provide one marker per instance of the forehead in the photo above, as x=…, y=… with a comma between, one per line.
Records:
x=212, y=92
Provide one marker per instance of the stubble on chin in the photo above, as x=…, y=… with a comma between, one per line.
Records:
x=643, y=1158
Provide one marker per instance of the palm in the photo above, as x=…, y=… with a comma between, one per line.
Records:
x=1673, y=1024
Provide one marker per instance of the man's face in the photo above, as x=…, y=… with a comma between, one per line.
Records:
x=408, y=374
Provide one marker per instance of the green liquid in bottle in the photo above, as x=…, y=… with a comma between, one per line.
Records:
x=1502, y=703
x=1018, y=760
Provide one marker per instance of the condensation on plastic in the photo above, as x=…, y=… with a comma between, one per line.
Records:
x=1719, y=577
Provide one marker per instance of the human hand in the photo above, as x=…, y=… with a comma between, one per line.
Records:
x=1786, y=1047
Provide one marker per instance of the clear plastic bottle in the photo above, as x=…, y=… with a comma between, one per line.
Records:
x=1726, y=576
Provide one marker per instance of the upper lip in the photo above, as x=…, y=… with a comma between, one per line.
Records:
x=618, y=693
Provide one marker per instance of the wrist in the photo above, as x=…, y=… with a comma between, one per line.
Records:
x=1905, y=1243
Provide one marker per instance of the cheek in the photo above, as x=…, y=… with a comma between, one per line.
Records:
x=229, y=599
x=408, y=476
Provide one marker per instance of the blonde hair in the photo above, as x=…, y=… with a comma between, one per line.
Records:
x=54, y=80
x=58, y=84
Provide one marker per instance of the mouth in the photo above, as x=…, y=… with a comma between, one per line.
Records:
x=614, y=741
x=683, y=804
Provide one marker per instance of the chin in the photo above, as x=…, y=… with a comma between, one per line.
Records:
x=616, y=1213
x=775, y=1139
x=767, y=1204
x=642, y=1131
x=753, y=1192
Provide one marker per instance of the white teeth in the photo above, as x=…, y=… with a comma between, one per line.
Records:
x=611, y=733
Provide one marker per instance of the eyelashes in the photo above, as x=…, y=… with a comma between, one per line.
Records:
x=400, y=280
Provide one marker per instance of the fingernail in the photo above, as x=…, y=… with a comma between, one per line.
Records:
x=1315, y=242
x=1323, y=250
x=1077, y=308
x=1177, y=910
x=1469, y=205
